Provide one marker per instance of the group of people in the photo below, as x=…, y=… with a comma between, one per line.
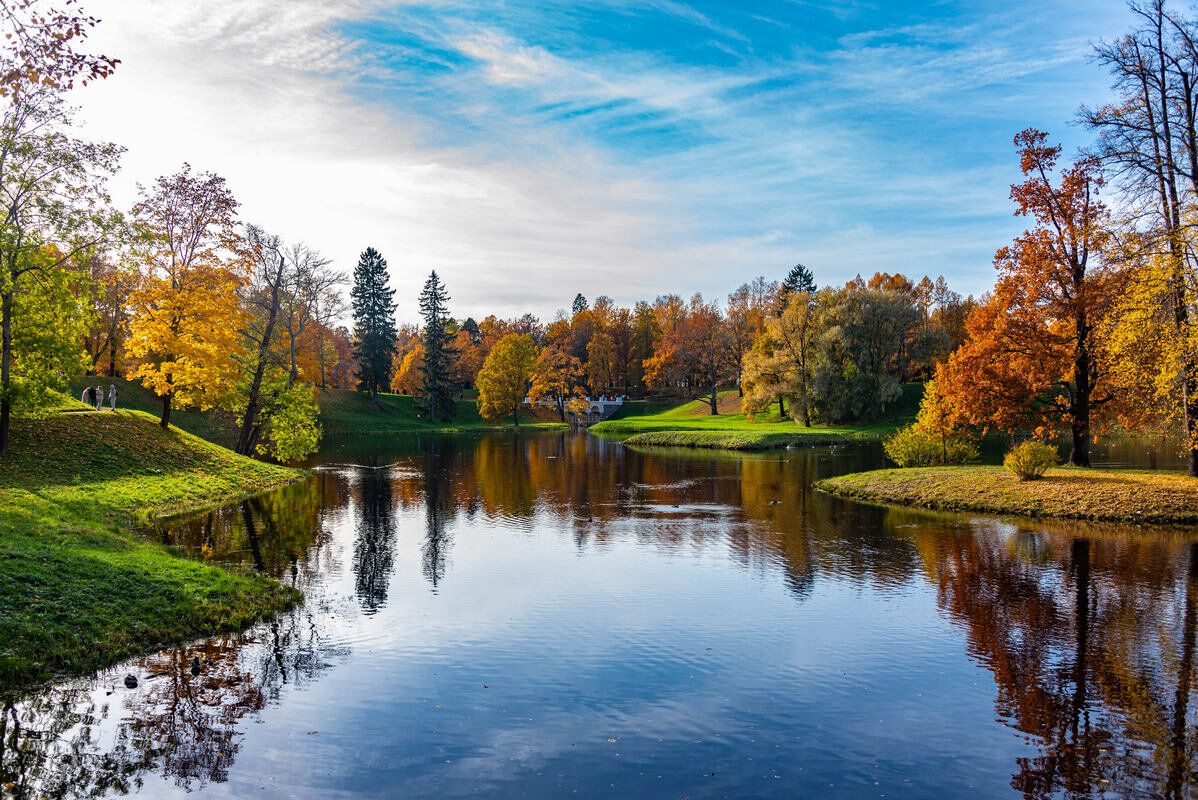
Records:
x=94, y=396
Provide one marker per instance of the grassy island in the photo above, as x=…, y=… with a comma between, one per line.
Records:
x=77, y=590
x=692, y=425
x=1092, y=494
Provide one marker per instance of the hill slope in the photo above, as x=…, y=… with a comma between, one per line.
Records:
x=78, y=592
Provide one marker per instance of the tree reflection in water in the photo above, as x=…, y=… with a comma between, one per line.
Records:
x=88, y=738
x=1088, y=631
x=374, y=549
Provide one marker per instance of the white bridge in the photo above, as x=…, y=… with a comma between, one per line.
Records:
x=600, y=408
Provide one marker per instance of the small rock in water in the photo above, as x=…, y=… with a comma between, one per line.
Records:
x=131, y=681
x=195, y=665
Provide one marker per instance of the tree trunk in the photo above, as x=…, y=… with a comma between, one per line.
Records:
x=782, y=406
x=249, y=422
x=561, y=408
x=516, y=414
x=165, y=422
x=5, y=368
x=714, y=412
x=1080, y=411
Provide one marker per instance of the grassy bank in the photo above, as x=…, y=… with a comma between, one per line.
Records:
x=736, y=440
x=1092, y=494
x=131, y=395
x=77, y=590
x=346, y=412
x=692, y=425
x=342, y=412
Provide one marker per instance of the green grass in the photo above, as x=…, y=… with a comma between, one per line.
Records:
x=737, y=440
x=210, y=425
x=347, y=412
x=691, y=425
x=77, y=590
x=1151, y=496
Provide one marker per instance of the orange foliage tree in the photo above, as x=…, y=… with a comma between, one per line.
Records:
x=1033, y=359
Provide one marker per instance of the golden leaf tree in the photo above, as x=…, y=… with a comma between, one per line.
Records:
x=557, y=377
x=186, y=315
x=503, y=381
x=779, y=366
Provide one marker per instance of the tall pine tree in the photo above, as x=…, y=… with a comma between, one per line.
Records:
x=374, y=322
x=439, y=354
x=799, y=279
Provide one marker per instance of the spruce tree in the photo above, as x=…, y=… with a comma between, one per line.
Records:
x=374, y=322
x=438, y=351
x=799, y=279
x=580, y=303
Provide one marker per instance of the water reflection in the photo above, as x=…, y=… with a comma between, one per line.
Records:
x=600, y=588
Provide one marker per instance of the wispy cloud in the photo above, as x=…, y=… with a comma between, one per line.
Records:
x=529, y=151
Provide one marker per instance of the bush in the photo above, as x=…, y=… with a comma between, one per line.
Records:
x=1030, y=460
x=916, y=446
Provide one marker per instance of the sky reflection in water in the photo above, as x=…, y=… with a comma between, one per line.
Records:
x=538, y=615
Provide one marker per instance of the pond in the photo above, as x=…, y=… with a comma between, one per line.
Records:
x=540, y=615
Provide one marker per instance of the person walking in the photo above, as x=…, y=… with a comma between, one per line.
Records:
x=112, y=396
x=85, y=395
x=99, y=398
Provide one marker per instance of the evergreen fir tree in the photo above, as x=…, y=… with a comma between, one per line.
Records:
x=438, y=351
x=374, y=322
x=471, y=327
x=799, y=279
x=580, y=303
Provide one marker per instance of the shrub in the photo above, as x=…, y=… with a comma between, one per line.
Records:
x=1030, y=460
x=916, y=446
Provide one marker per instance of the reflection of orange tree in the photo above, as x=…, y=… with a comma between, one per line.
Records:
x=1105, y=698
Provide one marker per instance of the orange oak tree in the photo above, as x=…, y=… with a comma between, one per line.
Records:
x=1034, y=359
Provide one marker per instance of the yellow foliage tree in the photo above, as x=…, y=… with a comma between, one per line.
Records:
x=186, y=315
x=503, y=381
x=778, y=368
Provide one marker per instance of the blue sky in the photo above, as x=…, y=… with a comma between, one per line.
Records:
x=529, y=151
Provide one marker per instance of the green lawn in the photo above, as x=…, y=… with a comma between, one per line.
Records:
x=77, y=590
x=1153, y=496
x=213, y=426
x=691, y=425
x=346, y=412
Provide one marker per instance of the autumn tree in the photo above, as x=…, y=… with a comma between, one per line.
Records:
x=374, y=322
x=557, y=376
x=41, y=44
x=1033, y=358
x=312, y=296
x=108, y=279
x=55, y=212
x=438, y=367
x=748, y=308
x=276, y=413
x=186, y=314
x=504, y=379
x=779, y=367
x=861, y=352
x=1148, y=140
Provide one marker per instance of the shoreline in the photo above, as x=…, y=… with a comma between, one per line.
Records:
x=745, y=441
x=80, y=588
x=1156, y=497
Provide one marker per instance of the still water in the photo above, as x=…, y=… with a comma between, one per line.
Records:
x=542, y=615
